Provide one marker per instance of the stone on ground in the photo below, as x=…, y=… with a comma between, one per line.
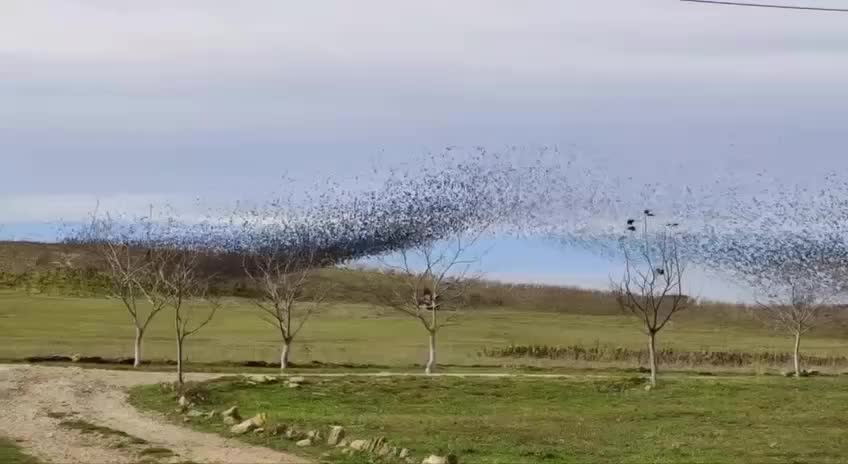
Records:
x=304, y=443
x=433, y=459
x=336, y=435
x=232, y=412
x=404, y=453
x=255, y=422
x=359, y=445
x=278, y=429
x=376, y=444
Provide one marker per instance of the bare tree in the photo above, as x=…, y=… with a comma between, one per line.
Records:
x=796, y=308
x=124, y=249
x=431, y=285
x=180, y=285
x=795, y=276
x=652, y=286
x=280, y=274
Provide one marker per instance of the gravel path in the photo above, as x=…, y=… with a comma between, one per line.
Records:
x=35, y=399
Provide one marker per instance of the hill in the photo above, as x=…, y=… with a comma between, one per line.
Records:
x=75, y=270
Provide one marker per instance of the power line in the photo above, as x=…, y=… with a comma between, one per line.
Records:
x=768, y=5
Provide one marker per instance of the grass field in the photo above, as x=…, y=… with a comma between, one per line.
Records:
x=363, y=334
x=509, y=421
x=11, y=454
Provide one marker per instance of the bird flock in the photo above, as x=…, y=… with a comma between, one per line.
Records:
x=764, y=236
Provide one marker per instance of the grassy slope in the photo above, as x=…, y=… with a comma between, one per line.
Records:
x=11, y=454
x=352, y=333
x=353, y=330
x=691, y=420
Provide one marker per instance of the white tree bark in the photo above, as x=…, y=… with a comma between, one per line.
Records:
x=284, y=354
x=797, y=354
x=179, y=361
x=139, y=333
x=652, y=352
x=431, y=362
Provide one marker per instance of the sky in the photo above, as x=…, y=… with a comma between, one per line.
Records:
x=132, y=103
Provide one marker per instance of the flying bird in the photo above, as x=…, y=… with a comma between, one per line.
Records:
x=648, y=212
x=630, y=222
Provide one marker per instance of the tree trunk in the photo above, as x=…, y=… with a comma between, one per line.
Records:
x=797, y=354
x=431, y=362
x=652, y=353
x=284, y=354
x=180, y=361
x=137, y=358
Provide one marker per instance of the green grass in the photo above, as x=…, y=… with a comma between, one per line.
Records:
x=362, y=334
x=10, y=453
x=487, y=421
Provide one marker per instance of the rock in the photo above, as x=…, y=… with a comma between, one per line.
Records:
x=230, y=420
x=183, y=401
x=410, y=460
x=297, y=379
x=195, y=413
x=648, y=387
x=359, y=445
x=394, y=451
x=242, y=428
x=255, y=422
x=293, y=434
x=433, y=459
x=315, y=435
x=76, y=357
x=347, y=450
x=293, y=385
x=259, y=430
x=336, y=435
x=384, y=450
x=344, y=443
x=212, y=414
x=186, y=419
x=376, y=444
x=304, y=443
x=278, y=429
x=265, y=379
x=404, y=453
x=232, y=412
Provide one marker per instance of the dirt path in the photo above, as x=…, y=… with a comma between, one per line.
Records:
x=35, y=399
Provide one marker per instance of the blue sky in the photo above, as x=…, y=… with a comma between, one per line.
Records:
x=132, y=103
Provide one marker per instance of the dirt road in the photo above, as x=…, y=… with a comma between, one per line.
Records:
x=35, y=399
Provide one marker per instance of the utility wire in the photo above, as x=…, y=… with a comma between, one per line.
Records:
x=768, y=5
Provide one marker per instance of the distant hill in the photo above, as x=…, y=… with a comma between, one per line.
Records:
x=75, y=270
